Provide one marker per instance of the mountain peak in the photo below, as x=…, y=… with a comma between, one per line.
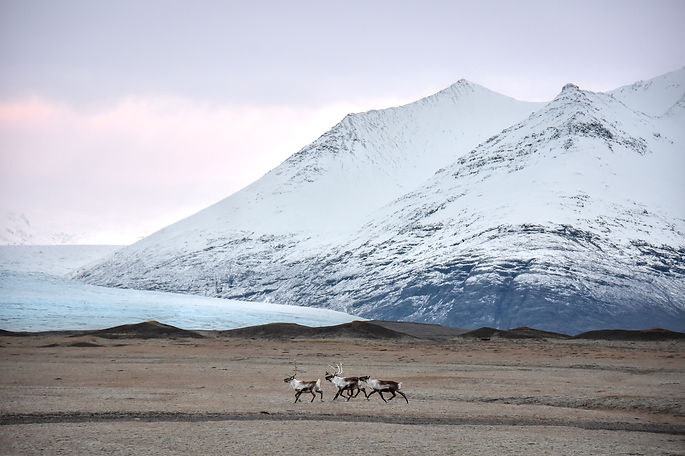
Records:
x=571, y=95
x=463, y=83
x=655, y=96
x=456, y=90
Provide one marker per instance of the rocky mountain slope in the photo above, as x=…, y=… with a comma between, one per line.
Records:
x=462, y=209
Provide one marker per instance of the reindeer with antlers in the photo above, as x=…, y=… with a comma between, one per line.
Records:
x=382, y=386
x=304, y=386
x=348, y=384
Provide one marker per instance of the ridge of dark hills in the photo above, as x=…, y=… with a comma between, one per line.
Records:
x=353, y=330
x=366, y=330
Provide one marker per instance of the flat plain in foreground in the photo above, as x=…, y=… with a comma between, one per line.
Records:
x=86, y=394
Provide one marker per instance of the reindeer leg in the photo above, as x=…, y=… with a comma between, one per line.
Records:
x=367, y=397
x=380, y=393
x=350, y=396
x=321, y=393
x=405, y=397
x=297, y=396
x=337, y=394
x=393, y=396
x=313, y=396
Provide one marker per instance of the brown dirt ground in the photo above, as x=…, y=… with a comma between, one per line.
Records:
x=219, y=395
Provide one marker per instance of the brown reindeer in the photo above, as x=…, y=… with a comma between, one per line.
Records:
x=312, y=386
x=348, y=384
x=382, y=386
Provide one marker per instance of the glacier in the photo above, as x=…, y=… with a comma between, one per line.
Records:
x=466, y=208
x=36, y=294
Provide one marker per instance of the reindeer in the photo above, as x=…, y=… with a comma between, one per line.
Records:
x=348, y=384
x=382, y=386
x=304, y=386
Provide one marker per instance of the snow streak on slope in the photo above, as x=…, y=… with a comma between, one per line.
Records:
x=568, y=220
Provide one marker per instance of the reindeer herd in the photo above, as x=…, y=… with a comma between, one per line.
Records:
x=351, y=386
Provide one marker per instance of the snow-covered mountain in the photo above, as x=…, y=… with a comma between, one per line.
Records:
x=54, y=260
x=464, y=208
x=315, y=199
x=17, y=229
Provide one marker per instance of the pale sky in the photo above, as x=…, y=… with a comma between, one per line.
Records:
x=119, y=118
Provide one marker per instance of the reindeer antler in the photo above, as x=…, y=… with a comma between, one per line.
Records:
x=337, y=368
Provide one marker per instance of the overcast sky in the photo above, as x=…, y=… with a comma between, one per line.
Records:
x=118, y=118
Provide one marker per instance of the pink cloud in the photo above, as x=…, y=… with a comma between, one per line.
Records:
x=143, y=160
x=27, y=112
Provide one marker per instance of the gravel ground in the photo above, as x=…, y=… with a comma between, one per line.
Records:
x=89, y=395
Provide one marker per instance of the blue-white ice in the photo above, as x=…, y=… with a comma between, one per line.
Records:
x=40, y=301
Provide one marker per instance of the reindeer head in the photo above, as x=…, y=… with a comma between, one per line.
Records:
x=338, y=371
x=292, y=377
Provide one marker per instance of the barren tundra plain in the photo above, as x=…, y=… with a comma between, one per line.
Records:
x=149, y=390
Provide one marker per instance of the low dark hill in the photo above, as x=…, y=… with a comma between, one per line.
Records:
x=525, y=331
x=655, y=334
x=145, y=330
x=35, y=333
x=421, y=330
x=516, y=333
x=352, y=330
x=13, y=333
x=268, y=331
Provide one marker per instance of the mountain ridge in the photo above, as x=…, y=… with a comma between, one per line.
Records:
x=534, y=224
